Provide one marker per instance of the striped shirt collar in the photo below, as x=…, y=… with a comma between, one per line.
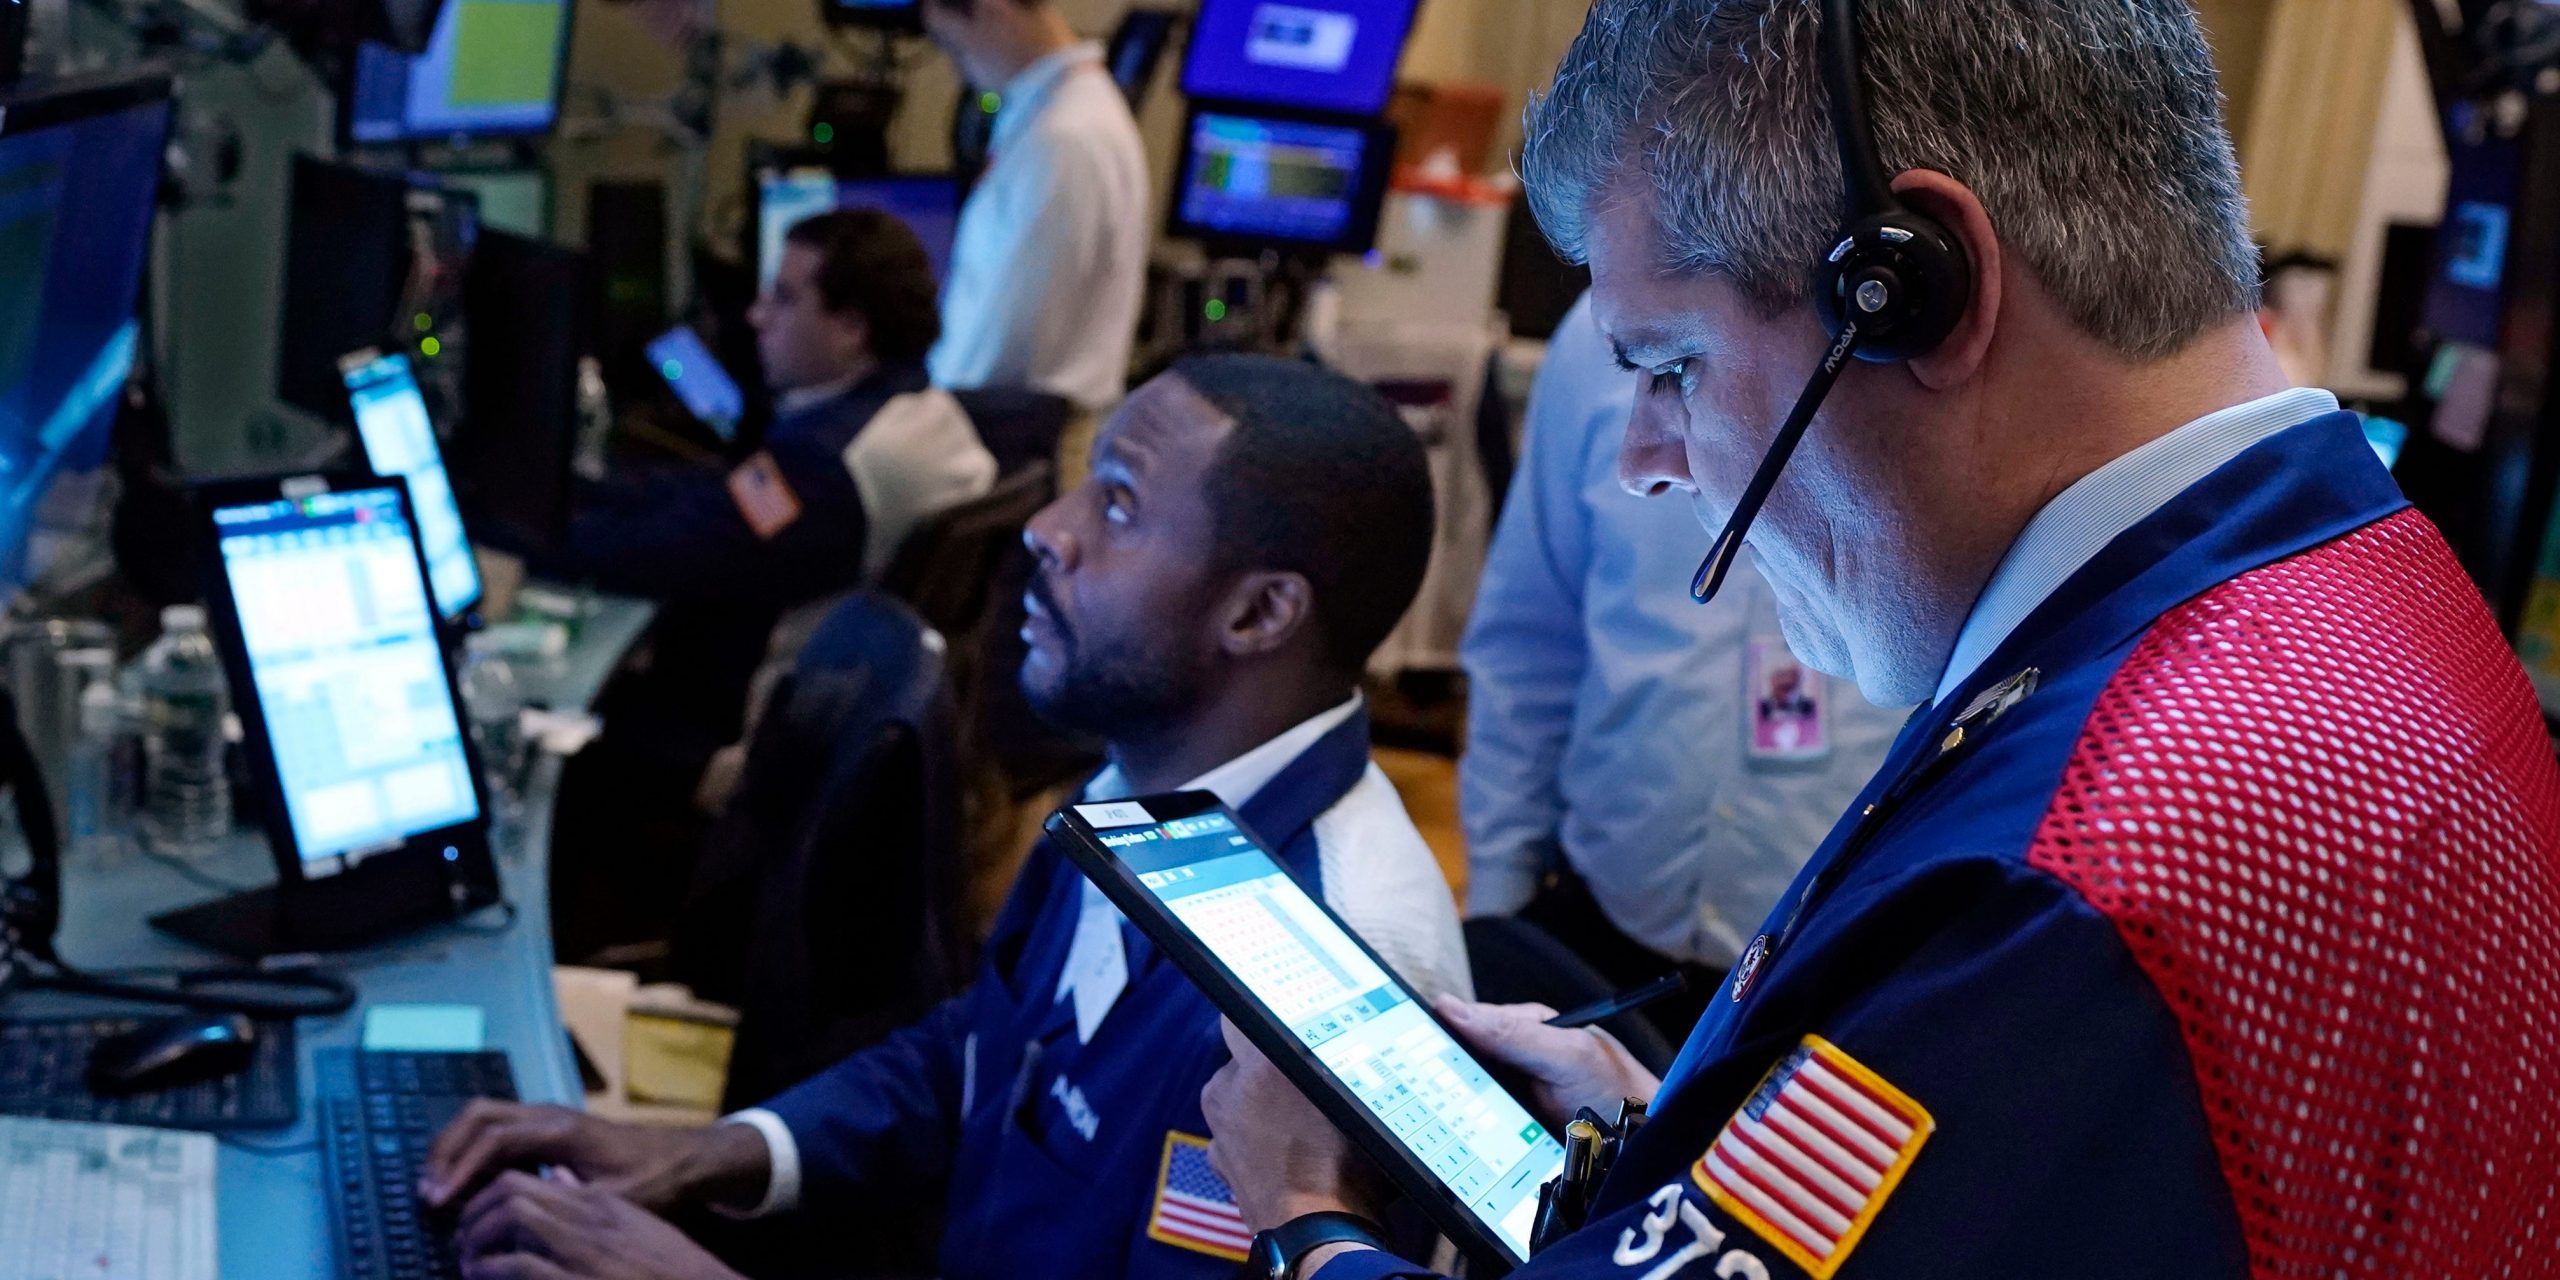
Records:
x=2083, y=519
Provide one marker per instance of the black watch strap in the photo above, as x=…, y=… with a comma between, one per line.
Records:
x=1276, y=1252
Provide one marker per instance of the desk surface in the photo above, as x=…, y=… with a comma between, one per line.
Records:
x=274, y=1212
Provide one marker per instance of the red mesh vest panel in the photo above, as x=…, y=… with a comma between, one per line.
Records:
x=2320, y=806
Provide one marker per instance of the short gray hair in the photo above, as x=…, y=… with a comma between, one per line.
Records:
x=2092, y=131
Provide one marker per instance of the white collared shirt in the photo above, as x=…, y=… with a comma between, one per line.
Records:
x=1050, y=260
x=2080, y=522
x=1377, y=874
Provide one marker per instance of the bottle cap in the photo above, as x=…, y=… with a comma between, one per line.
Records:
x=182, y=617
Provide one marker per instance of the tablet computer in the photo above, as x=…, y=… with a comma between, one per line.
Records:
x=694, y=375
x=1326, y=1010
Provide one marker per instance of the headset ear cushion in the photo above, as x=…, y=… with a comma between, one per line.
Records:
x=1926, y=278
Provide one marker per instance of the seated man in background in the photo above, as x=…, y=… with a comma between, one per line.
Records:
x=1641, y=779
x=1205, y=603
x=861, y=450
x=861, y=447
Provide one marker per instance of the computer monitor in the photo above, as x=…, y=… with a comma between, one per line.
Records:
x=335, y=650
x=525, y=308
x=1253, y=181
x=1137, y=46
x=347, y=261
x=400, y=440
x=79, y=177
x=892, y=15
x=699, y=382
x=492, y=68
x=1334, y=56
x=787, y=195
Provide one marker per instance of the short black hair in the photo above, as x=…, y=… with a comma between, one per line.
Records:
x=871, y=263
x=1323, y=478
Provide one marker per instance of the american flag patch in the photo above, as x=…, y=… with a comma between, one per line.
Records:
x=1810, y=1159
x=1194, y=1208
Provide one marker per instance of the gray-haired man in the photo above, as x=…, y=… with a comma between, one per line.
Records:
x=2201, y=924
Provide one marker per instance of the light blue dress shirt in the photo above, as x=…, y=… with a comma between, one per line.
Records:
x=1607, y=722
x=2083, y=519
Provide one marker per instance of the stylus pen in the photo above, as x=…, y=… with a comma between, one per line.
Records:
x=1662, y=988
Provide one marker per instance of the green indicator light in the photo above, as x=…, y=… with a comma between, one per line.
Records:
x=822, y=132
x=430, y=348
x=1216, y=311
x=672, y=370
x=422, y=321
x=990, y=103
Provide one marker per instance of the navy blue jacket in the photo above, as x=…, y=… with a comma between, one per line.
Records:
x=686, y=538
x=1046, y=1154
x=2208, y=951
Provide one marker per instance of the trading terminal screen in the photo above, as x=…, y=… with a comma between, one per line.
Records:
x=76, y=200
x=400, y=440
x=1255, y=178
x=341, y=644
x=930, y=206
x=1354, y=1016
x=492, y=68
x=1315, y=55
x=694, y=374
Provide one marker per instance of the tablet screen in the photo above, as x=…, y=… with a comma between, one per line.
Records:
x=1351, y=1013
x=706, y=389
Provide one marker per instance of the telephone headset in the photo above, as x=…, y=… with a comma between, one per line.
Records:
x=1894, y=286
x=31, y=912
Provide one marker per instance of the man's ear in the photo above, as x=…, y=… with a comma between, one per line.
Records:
x=1956, y=208
x=1264, y=612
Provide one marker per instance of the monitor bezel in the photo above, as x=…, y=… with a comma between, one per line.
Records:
x=906, y=19
x=353, y=363
x=1368, y=210
x=456, y=857
x=1082, y=845
x=345, y=89
x=1191, y=56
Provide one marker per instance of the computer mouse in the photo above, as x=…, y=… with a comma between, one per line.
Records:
x=172, y=1053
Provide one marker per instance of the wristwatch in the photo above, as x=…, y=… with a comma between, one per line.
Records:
x=1276, y=1252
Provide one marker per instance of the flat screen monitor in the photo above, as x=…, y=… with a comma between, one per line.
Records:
x=492, y=68
x=928, y=203
x=336, y=634
x=696, y=377
x=79, y=176
x=400, y=440
x=525, y=308
x=895, y=15
x=1256, y=181
x=1335, y=56
x=347, y=262
x=1137, y=45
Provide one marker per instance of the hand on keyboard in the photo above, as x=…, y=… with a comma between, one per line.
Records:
x=529, y=1228
x=657, y=1169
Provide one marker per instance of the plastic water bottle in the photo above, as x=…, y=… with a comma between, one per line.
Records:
x=186, y=795
x=495, y=703
x=100, y=787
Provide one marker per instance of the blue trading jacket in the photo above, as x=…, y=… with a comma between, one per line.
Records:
x=684, y=537
x=2218, y=949
x=1045, y=1155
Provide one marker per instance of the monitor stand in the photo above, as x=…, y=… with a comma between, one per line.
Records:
x=291, y=919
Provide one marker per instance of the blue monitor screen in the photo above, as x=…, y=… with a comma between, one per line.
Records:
x=76, y=199
x=1316, y=55
x=707, y=390
x=341, y=644
x=400, y=440
x=1287, y=181
x=930, y=206
x=888, y=12
x=493, y=67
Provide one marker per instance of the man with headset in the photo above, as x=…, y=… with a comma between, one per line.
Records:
x=2200, y=923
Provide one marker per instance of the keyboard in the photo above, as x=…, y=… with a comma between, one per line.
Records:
x=379, y=1111
x=42, y=1061
x=109, y=1201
